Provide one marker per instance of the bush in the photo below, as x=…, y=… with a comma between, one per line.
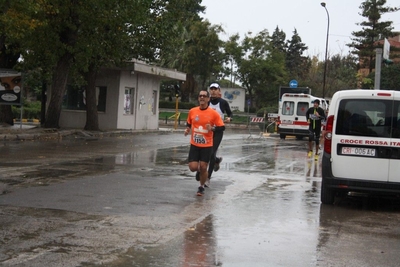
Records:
x=30, y=110
x=172, y=105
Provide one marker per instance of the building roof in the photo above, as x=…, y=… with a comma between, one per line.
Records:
x=158, y=71
x=143, y=67
x=393, y=41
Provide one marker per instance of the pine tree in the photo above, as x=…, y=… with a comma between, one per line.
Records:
x=373, y=30
x=296, y=64
x=278, y=40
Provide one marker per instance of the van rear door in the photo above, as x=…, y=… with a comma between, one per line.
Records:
x=293, y=114
x=363, y=130
x=394, y=163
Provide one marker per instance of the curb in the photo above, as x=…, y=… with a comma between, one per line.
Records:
x=36, y=121
x=56, y=134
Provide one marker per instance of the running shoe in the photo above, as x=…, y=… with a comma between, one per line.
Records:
x=217, y=162
x=207, y=184
x=197, y=176
x=316, y=157
x=200, y=192
x=309, y=154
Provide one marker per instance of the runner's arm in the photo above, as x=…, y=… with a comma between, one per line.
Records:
x=218, y=129
x=219, y=124
x=228, y=110
x=188, y=127
x=308, y=116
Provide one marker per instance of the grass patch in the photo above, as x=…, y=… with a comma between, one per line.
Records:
x=163, y=115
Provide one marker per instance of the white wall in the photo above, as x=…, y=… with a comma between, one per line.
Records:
x=125, y=121
x=110, y=79
x=107, y=119
x=147, y=85
x=145, y=80
x=142, y=117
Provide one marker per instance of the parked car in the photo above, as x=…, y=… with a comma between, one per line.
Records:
x=362, y=144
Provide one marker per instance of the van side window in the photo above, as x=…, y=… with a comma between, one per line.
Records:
x=396, y=121
x=302, y=108
x=364, y=117
x=288, y=108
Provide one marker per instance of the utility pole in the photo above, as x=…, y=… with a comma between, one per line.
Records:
x=323, y=4
x=378, y=64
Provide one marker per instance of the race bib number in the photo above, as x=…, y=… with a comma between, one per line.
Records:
x=199, y=139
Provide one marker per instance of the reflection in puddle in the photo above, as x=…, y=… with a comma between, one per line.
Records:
x=152, y=157
x=197, y=246
x=200, y=245
x=281, y=159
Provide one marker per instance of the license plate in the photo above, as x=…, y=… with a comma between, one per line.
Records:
x=370, y=152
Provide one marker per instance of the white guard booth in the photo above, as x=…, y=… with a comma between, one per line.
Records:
x=127, y=98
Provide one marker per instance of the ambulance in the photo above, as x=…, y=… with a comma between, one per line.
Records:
x=362, y=144
x=292, y=114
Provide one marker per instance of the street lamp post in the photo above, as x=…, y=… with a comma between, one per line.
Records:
x=323, y=4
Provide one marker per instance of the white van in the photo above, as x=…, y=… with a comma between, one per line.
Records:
x=362, y=144
x=292, y=114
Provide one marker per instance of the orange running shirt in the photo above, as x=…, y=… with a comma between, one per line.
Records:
x=198, y=119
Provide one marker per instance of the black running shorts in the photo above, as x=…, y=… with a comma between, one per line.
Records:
x=200, y=153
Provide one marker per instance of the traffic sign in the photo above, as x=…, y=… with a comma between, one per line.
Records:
x=386, y=49
x=293, y=84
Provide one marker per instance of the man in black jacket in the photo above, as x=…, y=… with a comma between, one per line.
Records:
x=314, y=116
x=221, y=106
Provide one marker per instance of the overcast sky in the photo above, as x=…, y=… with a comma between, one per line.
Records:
x=307, y=16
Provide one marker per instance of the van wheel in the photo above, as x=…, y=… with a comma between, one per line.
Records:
x=282, y=136
x=299, y=137
x=327, y=194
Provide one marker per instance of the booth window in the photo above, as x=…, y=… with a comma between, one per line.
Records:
x=154, y=102
x=75, y=98
x=128, y=101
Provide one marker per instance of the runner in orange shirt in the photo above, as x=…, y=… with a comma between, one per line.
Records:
x=202, y=122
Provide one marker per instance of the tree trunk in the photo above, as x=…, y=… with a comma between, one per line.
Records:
x=188, y=89
x=6, y=115
x=58, y=88
x=92, y=120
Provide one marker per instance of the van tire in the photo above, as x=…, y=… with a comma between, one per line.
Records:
x=327, y=194
x=282, y=136
x=299, y=137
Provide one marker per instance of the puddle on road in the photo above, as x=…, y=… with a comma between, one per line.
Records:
x=164, y=156
x=197, y=246
x=139, y=161
x=276, y=160
x=257, y=228
x=252, y=218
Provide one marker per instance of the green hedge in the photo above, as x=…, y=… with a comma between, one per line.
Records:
x=172, y=105
x=30, y=110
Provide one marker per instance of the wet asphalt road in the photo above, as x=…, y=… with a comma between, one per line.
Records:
x=130, y=201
